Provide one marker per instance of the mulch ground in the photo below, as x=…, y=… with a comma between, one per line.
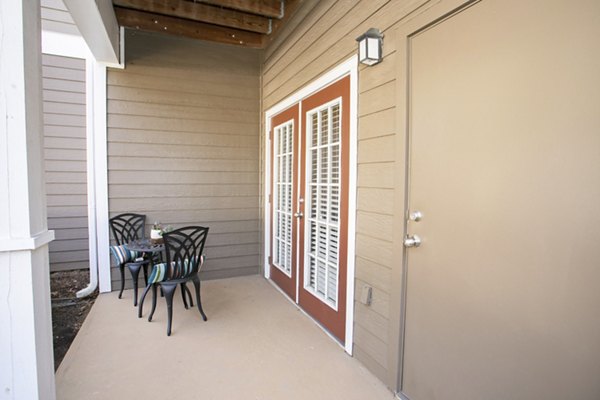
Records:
x=68, y=312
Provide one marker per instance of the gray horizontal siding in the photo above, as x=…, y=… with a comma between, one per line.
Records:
x=64, y=156
x=183, y=144
x=56, y=17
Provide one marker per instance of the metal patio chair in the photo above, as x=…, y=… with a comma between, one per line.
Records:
x=127, y=228
x=184, y=253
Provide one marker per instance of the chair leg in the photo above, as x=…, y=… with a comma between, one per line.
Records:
x=122, y=269
x=145, y=266
x=141, y=304
x=169, y=291
x=135, y=273
x=184, y=296
x=196, y=282
x=153, y=302
x=185, y=289
x=189, y=295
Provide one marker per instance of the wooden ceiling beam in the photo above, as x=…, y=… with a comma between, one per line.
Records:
x=266, y=8
x=201, y=13
x=181, y=27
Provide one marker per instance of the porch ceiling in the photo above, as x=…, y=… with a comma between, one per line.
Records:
x=255, y=345
x=247, y=23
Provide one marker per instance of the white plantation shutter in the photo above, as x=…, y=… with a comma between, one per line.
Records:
x=323, y=203
x=282, y=201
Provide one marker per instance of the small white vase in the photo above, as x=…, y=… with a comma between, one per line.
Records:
x=155, y=234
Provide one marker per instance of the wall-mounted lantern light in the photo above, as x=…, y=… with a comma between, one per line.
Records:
x=369, y=47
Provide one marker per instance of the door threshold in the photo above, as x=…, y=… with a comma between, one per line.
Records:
x=400, y=396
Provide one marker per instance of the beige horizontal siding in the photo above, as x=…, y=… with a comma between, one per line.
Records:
x=378, y=149
x=380, y=123
x=324, y=38
x=168, y=96
x=199, y=138
x=375, y=199
x=151, y=123
x=377, y=99
x=183, y=144
x=64, y=156
x=177, y=85
x=377, y=225
x=377, y=275
x=179, y=190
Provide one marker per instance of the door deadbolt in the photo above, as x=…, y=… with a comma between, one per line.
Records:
x=416, y=216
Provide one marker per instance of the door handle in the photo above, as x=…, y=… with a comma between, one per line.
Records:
x=412, y=241
x=298, y=214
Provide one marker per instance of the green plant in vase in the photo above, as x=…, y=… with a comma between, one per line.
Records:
x=157, y=231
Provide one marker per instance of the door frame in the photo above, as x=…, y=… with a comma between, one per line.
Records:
x=349, y=68
x=431, y=16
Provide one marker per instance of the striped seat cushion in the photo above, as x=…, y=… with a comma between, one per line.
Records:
x=122, y=255
x=160, y=272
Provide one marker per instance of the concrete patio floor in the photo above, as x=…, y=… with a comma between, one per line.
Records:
x=255, y=345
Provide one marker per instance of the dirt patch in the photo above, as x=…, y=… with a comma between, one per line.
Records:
x=68, y=312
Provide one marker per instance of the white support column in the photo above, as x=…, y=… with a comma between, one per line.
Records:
x=97, y=178
x=97, y=156
x=100, y=167
x=26, y=357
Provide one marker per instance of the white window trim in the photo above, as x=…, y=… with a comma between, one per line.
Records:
x=350, y=68
x=275, y=198
x=307, y=202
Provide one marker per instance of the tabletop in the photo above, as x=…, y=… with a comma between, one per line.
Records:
x=145, y=246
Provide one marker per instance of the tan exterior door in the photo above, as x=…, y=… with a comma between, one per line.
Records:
x=503, y=294
x=309, y=213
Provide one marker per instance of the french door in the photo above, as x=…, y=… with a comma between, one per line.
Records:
x=309, y=204
x=284, y=195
